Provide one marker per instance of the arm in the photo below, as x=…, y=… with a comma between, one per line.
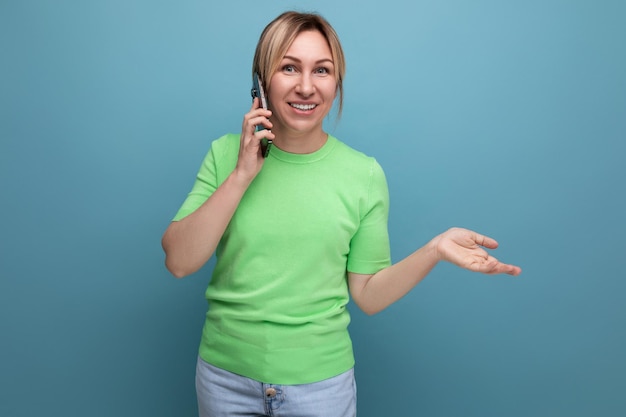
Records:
x=190, y=242
x=374, y=293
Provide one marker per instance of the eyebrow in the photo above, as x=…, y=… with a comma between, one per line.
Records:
x=293, y=58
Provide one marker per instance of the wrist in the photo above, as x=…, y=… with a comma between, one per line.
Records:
x=240, y=179
x=432, y=249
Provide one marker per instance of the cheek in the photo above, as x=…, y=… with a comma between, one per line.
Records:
x=331, y=91
x=273, y=97
x=274, y=88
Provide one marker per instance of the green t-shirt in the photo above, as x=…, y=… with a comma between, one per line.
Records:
x=278, y=293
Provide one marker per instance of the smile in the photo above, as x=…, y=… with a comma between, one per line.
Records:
x=304, y=107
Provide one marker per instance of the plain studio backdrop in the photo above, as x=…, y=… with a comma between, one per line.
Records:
x=507, y=117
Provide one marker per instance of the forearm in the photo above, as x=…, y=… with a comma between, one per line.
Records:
x=190, y=242
x=392, y=283
x=461, y=247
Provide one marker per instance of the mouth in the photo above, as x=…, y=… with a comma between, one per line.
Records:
x=303, y=107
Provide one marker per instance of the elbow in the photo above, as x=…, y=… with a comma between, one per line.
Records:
x=180, y=265
x=177, y=271
x=177, y=268
x=371, y=311
x=182, y=261
x=368, y=309
x=178, y=274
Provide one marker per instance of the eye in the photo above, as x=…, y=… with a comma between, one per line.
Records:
x=289, y=68
x=322, y=71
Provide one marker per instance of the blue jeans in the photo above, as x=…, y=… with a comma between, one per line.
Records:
x=222, y=393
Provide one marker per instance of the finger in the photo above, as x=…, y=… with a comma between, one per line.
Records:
x=254, y=143
x=502, y=268
x=251, y=121
x=485, y=241
x=256, y=109
x=508, y=269
x=261, y=134
x=256, y=105
x=265, y=123
x=513, y=270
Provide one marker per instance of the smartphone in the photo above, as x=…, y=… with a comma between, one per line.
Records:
x=258, y=91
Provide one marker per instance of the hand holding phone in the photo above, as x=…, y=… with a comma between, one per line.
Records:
x=258, y=91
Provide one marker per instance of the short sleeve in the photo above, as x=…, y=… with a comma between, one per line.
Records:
x=203, y=187
x=369, y=247
x=218, y=163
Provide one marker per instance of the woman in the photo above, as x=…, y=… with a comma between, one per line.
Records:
x=295, y=234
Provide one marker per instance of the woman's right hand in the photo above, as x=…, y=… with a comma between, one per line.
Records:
x=250, y=160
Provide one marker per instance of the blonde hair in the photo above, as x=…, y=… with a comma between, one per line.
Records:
x=278, y=36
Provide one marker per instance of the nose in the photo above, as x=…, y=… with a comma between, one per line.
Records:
x=305, y=86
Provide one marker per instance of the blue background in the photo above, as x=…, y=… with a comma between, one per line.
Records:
x=508, y=117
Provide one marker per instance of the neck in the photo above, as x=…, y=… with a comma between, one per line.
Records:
x=300, y=142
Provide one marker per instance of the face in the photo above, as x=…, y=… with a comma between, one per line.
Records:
x=302, y=91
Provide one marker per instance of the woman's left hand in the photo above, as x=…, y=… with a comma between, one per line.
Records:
x=464, y=248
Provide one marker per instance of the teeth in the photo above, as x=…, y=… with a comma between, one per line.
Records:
x=304, y=106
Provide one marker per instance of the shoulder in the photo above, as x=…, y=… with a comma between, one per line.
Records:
x=221, y=157
x=356, y=160
x=226, y=145
x=223, y=150
x=348, y=151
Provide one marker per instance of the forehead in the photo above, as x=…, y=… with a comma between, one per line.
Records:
x=309, y=44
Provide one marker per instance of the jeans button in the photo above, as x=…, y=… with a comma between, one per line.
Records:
x=270, y=392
